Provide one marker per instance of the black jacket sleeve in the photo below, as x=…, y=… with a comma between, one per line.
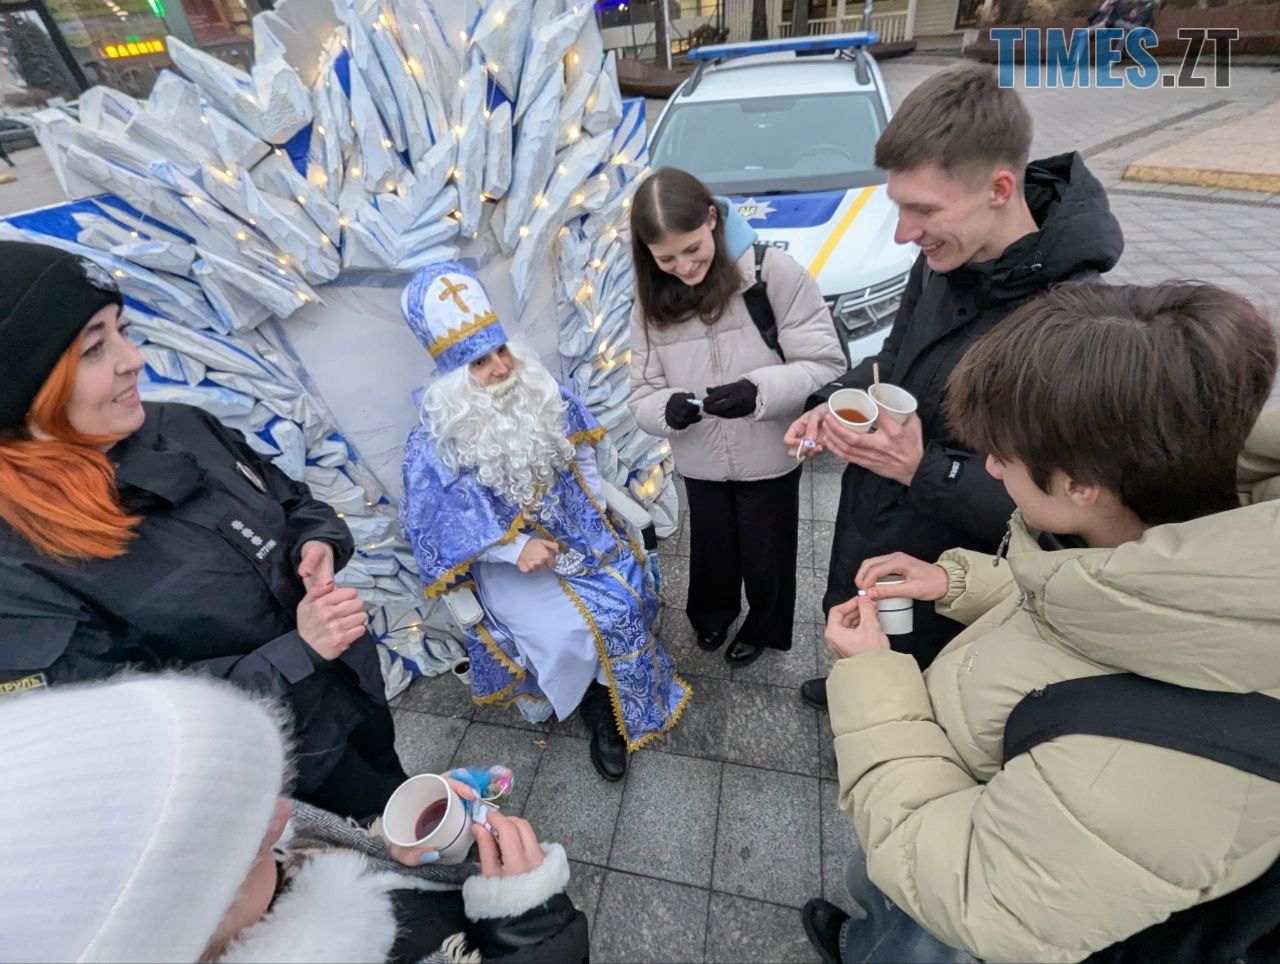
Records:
x=308, y=517
x=46, y=630
x=861, y=375
x=954, y=486
x=550, y=933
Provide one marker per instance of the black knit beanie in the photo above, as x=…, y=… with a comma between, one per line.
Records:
x=47, y=295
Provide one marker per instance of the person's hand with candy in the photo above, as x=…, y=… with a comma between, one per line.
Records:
x=509, y=849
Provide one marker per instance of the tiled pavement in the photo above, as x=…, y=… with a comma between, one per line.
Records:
x=722, y=830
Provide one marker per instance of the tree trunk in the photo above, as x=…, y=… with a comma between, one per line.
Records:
x=662, y=42
x=800, y=18
x=759, y=19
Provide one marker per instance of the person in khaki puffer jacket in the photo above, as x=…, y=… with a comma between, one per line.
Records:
x=1115, y=417
x=692, y=335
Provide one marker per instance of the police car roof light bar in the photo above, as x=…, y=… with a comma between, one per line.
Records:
x=811, y=45
x=714, y=53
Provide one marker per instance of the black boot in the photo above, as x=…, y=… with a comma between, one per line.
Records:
x=608, y=749
x=710, y=642
x=814, y=692
x=822, y=923
x=742, y=654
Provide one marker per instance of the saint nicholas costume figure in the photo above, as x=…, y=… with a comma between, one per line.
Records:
x=502, y=495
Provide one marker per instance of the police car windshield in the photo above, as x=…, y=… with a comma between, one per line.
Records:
x=815, y=142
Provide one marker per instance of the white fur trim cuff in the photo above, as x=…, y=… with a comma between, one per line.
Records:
x=486, y=898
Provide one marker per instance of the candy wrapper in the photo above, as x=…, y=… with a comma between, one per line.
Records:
x=493, y=784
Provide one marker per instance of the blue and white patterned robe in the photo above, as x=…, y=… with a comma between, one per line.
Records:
x=546, y=634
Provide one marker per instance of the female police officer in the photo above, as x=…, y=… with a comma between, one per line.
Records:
x=152, y=536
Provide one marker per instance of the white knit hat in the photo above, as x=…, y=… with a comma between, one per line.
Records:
x=130, y=814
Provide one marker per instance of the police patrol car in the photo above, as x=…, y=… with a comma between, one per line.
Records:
x=787, y=130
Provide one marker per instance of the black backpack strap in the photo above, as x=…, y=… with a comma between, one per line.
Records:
x=757, y=299
x=1238, y=729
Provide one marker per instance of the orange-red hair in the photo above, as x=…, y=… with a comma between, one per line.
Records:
x=59, y=493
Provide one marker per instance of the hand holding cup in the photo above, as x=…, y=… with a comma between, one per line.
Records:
x=414, y=856
x=920, y=580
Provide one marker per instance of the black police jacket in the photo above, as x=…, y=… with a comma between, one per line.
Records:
x=210, y=584
x=952, y=501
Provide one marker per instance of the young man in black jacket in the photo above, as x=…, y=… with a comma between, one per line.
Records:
x=993, y=232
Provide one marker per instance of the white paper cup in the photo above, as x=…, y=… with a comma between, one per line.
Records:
x=451, y=839
x=854, y=399
x=897, y=616
x=462, y=670
x=897, y=403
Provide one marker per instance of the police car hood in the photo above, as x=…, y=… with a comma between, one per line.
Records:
x=1078, y=233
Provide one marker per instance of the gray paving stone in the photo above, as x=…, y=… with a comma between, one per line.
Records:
x=839, y=844
x=571, y=804
x=784, y=669
x=810, y=585
x=675, y=582
x=700, y=731
x=639, y=919
x=585, y=883
x=826, y=496
x=806, y=496
x=426, y=743
x=823, y=532
x=680, y=640
x=508, y=716
x=753, y=932
x=769, y=726
x=485, y=744
x=826, y=748
x=668, y=821
x=442, y=695
x=768, y=844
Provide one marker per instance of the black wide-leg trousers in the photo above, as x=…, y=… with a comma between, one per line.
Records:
x=744, y=533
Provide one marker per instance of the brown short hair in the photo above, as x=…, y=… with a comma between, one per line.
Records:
x=1146, y=391
x=672, y=201
x=963, y=121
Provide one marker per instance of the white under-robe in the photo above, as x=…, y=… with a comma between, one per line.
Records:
x=554, y=642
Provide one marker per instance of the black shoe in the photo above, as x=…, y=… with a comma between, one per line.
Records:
x=822, y=923
x=740, y=654
x=608, y=749
x=814, y=692
x=710, y=642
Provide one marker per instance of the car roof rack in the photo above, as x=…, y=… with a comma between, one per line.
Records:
x=713, y=54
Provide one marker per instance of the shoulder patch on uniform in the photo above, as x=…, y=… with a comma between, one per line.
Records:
x=36, y=681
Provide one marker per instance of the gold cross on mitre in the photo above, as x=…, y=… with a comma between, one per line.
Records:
x=452, y=290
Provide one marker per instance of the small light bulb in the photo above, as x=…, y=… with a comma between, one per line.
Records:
x=579, y=198
x=524, y=230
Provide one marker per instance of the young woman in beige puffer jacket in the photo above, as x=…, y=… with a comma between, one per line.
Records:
x=692, y=336
x=1117, y=414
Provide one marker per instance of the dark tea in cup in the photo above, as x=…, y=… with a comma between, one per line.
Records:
x=851, y=415
x=430, y=818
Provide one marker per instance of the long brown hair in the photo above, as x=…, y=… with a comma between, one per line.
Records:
x=59, y=494
x=1148, y=392
x=672, y=201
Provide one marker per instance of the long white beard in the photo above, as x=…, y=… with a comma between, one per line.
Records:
x=511, y=433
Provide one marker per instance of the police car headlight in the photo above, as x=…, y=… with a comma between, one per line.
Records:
x=869, y=310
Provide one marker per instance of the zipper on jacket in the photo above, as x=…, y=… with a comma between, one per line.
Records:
x=1003, y=550
x=717, y=378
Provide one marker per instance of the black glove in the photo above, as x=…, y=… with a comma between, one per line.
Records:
x=735, y=400
x=681, y=412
